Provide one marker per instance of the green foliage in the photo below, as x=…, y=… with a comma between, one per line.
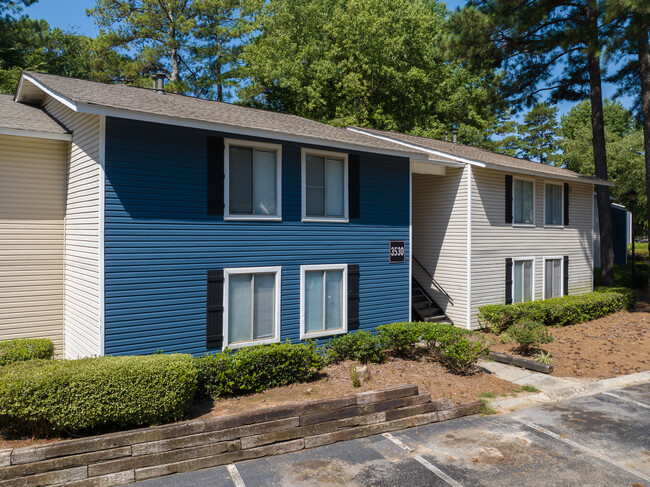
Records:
x=640, y=251
x=399, y=336
x=354, y=375
x=254, y=369
x=455, y=348
x=538, y=135
x=543, y=357
x=25, y=349
x=92, y=393
x=361, y=345
x=623, y=273
x=562, y=311
x=528, y=388
x=529, y=335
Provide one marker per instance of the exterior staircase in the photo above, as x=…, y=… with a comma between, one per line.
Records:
x=424, y=307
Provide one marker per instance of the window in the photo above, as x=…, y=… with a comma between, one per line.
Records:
x=323, y=300
x=552, y=277
x=553, y=204
x=523, y=280
x=324, y=188
x=252, y=306
x=523, y=202
x=253, y=189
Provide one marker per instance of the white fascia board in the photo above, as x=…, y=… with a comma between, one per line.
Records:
x=35, y=134
x=545, y=175
x=237, y=130
x=428, y=150
x=60, y=98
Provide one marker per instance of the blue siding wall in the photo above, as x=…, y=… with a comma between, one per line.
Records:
x=160, y=241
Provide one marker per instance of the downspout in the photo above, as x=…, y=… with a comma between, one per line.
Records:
x=469, y=246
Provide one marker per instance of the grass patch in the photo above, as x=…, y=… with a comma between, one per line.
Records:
x=529, y=388
x=486, y=409
x=489, y=395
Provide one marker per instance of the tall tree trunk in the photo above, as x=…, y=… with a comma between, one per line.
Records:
x=175, y=65
x=219, y=81
x=644, y=71
x=600, y=154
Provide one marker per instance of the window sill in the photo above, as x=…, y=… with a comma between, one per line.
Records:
x=523, y=225
x=320, y=334
x=307, y=219
x=251, y=343
x=553, y=226
x=240, y=218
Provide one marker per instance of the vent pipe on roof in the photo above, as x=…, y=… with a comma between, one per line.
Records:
x=159, y=82
x=454, y=138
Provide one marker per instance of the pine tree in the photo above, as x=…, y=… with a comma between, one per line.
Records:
x=538, y=135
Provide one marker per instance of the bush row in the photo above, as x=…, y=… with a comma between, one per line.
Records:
x=562, y=311
x=25, y=349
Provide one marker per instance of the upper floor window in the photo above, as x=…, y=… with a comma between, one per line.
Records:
x=553, y=204
x=324, y=186
x=523, y=202
x=253, y=172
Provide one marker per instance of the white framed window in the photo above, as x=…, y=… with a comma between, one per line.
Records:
x=324, y=186
x=523, y=279
x=251, y=306
x=553, y=273
x=253, y=180
x=553, y=205
x=523, y=201
x=323, y=300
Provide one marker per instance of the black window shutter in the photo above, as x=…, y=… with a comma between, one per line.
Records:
x=354, y=196
x=353, y=297
x=508, y=199
x=565, y=277
x=566, y=204
x=215, y=176
x=214, y=315
x=508, y=281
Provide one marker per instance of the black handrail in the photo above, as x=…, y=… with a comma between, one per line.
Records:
x=436, y=283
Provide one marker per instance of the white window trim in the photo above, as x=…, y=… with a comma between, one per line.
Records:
x=325, y=267
x=524, y=225
x=303, y=170
x=550, y=225
x=278, y=292
x=561, y=259
x=532, y=277
x=226, y=183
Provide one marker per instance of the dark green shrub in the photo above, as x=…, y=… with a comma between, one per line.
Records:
x=529, y=335
x=562, y=311
x=457, y=349
x=25, y=349
x=254, y=369
x=361, y=345
x=623, y=275
x=399, y=336
x=99, y=392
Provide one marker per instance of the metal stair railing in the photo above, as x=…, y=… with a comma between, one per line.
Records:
x=435, y=283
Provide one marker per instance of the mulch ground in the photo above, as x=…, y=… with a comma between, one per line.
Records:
x=614, y=345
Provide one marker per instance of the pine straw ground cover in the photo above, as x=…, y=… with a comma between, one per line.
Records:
x=617, y=344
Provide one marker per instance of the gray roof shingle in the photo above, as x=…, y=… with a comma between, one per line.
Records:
x=18, y=116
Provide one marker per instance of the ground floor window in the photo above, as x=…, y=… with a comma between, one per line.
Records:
x=252, y=305
x=323, y=307
x=552, y=277
x=523, y=280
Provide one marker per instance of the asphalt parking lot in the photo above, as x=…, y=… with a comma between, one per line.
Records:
x=600, y=440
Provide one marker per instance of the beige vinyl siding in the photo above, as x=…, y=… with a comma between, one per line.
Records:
x=82, y=293
x=493, y=240
x=439, y=222
x=32, y=191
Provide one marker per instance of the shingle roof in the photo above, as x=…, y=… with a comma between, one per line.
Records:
x=18, y=116
x=481, y=155
x=148, y=101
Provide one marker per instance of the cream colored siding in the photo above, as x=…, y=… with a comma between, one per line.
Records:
x=439, y=222
x=32, y=190
x=493, y=240
x=83, y=275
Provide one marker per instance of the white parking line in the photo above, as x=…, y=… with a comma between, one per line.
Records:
x=643, y=405
x=585, y=449
x=234, y=475
x=423, y=461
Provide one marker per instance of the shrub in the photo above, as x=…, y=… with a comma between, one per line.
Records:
x=360, y=345
x=98, y=392
x=562, y=311
x=399, y=336
x=529, y=335
x=623, y=275
x=254, y=369
x=640, y=249
x=455, y=348
x=25, y=349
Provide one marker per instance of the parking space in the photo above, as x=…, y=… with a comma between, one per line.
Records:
x=601, y=440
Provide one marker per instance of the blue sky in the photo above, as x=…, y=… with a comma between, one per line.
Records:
x=71, y=15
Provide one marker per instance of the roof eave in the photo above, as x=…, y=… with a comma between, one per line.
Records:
x=38, y=134
x=577, y=178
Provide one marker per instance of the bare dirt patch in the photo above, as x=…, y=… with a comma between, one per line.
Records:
x=614, y=345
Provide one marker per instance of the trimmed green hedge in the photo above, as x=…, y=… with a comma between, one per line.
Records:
x=359, y=345
x=400, y=336
x=562, y=311
x=254, y=369
x=25, y=349
x=91, y=393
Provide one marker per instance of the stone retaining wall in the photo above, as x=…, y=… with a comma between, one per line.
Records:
x=124, y=457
